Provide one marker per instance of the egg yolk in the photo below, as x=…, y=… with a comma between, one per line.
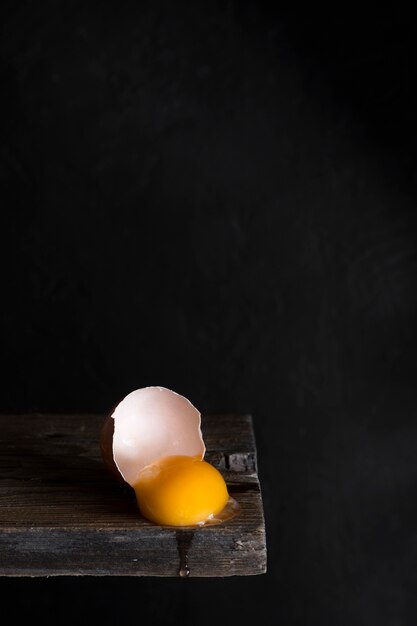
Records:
x=180, y=491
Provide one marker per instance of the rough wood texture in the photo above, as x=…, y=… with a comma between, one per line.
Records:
x=62, y=514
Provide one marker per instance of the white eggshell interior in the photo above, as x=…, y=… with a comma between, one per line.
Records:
x=151, y=423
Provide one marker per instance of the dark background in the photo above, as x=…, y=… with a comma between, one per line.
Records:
x=220, y=198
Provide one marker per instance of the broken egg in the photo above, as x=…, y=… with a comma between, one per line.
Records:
x=153, y=441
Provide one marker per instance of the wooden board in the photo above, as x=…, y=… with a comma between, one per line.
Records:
x=61, y=513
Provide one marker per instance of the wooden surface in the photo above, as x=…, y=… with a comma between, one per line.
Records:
x=61, y=513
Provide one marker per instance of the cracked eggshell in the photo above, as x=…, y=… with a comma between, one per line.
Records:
x=148, y=424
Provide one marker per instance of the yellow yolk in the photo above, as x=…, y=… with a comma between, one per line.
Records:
x=180, y=491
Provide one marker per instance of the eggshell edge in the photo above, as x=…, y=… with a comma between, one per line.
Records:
x=107, y=436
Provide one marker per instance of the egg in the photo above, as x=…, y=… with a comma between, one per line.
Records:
x=153, y=441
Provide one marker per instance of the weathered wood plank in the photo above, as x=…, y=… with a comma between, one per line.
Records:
x=62, y=514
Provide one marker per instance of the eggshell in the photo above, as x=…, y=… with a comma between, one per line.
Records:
x=148, y=424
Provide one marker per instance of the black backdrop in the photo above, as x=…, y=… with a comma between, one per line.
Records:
x=220, y=198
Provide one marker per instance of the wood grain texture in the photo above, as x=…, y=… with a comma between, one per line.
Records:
x=61, y=513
